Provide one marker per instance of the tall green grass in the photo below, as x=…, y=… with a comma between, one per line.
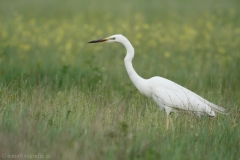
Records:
x=67, y=99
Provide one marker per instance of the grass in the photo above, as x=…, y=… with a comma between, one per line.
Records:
x=66, y=99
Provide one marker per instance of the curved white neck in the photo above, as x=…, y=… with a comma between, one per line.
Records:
x=136, y=79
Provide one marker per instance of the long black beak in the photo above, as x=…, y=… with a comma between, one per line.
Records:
x=99, y=40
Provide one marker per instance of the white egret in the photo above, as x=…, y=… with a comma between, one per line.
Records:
x=168, y=95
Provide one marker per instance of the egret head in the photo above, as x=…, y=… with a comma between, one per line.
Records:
x=113, y=38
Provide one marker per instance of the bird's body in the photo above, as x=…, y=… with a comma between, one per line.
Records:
x=171, y=97
x=168, y=95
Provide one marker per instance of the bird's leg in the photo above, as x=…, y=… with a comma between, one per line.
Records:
x=168, y=110
x=171, y=123
x=167, y=122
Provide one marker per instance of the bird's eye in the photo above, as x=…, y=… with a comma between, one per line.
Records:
x=113, y=38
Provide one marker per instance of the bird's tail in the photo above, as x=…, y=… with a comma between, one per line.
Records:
x=215, y=107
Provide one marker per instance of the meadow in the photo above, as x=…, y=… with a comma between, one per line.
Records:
x=62, y=98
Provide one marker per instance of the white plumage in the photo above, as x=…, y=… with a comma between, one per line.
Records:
x=168, y=95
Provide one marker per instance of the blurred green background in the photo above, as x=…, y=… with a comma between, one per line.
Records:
x=57, y=91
